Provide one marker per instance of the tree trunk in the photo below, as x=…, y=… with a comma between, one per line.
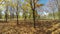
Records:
x=0, y=14
x=17, y=17
x=11, y=16
x=58, y=3
x=17, y=13
x=32, y=3
x=53, y=14
x=24, y=15
x=6, y=17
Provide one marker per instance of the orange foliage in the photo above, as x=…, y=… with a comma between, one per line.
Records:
x=38, y=5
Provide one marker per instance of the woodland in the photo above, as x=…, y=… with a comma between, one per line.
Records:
x=29, y=17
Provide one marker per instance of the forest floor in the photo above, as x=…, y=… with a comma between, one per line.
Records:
x=27, y=27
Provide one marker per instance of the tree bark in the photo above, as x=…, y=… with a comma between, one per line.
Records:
x=6, y=17
x=17, y=13
x=33, y=9
x=58, y=4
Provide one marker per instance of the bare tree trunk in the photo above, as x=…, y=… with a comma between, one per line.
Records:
x=11, y=16
x=0, y=14
x=24, y=14
x=17, y=13
x=17, y=17
x=58, y=3
x=33, y=9
x=6, y=13
x=53, y=14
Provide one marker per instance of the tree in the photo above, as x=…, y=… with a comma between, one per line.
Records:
x=17, y=12
x=58, y=4
x=34, y=4
x=25, y=10
x=6, y=12
x=52, y=6
x=6, y=5
x=0, y=13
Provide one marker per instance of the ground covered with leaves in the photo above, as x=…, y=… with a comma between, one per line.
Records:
x=27, y=27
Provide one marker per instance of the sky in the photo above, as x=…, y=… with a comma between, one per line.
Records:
x=47, y=7
x=42, y=1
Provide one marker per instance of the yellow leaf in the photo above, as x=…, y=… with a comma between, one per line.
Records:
x=0, y=0
x=27, y=4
